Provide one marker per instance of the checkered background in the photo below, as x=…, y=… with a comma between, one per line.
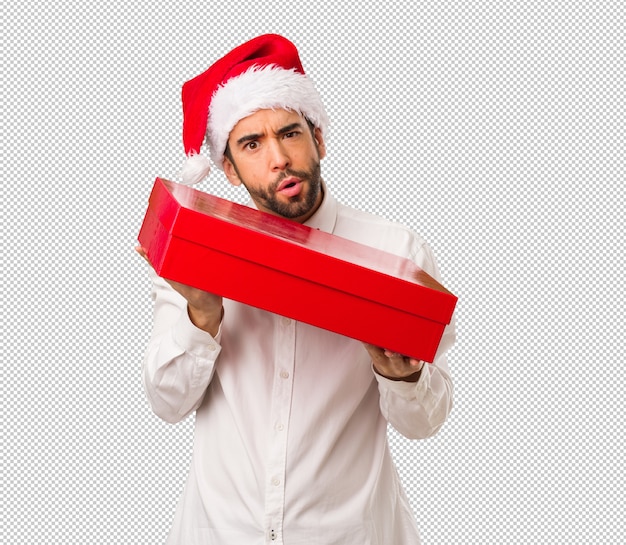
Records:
x=495, y=129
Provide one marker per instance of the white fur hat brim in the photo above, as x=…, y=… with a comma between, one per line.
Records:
x=259, y=88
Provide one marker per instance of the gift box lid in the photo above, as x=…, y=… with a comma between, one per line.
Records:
x=314, y=255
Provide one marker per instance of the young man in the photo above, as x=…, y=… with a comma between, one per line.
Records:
x=290, y=438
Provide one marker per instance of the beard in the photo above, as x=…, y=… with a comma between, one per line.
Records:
x=298, y=205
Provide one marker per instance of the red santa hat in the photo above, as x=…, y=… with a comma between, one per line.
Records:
x=264, y=73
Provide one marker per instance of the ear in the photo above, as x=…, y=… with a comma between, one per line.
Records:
x=319, y=142
x=231, y=172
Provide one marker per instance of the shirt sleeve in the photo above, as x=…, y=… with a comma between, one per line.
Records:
x=179, y=361
x=419, y=409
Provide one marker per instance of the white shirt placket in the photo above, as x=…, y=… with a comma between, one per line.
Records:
x=284, y=367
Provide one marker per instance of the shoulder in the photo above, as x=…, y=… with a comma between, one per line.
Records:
x=383, y=234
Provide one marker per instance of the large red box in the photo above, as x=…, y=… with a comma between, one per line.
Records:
x=290, y=269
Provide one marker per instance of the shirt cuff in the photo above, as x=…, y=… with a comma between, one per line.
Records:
x=406, y=390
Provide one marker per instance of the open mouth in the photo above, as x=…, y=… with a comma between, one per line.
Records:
x=288, y=183
x=290, y=187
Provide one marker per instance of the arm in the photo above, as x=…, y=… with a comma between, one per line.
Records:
x=416, y=398
x=419, y=409
x=180, y=358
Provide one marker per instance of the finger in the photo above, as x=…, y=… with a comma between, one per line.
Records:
x=417, y=364
x=391, y=354
x=142, y=252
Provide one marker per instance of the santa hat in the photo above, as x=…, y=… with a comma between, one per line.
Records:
x=264, y=73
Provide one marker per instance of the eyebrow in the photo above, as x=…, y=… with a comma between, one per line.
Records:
x=289, y=128
x=256, y=136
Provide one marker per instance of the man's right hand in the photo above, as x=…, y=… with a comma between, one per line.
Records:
x=204, y=308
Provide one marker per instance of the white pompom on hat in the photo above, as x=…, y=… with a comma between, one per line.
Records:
x=264, y=73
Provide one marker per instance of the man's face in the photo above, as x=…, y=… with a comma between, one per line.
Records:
x=276, y=156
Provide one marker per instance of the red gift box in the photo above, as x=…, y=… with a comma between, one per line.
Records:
x=293, y=270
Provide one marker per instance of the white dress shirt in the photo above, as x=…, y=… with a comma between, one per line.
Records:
x=290, y=442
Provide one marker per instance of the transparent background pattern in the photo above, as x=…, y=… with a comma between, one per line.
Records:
x=495, y=129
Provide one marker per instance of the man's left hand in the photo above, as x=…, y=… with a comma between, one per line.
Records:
x=394, y=366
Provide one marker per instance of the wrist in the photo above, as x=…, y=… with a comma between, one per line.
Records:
x=207, y=321
x=412, y=377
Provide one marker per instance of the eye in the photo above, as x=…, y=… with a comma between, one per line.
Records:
x=291, y=134
x=252, y=145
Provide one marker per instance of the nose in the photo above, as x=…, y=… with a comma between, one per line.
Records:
x=278, y=156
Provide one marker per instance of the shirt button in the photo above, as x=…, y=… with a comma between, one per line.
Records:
x=280, y=427
x=211, y=347
x=286, y=321
x=275, y=481
x=284, y=374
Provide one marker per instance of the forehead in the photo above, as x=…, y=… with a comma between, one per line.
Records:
x=262, y=121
